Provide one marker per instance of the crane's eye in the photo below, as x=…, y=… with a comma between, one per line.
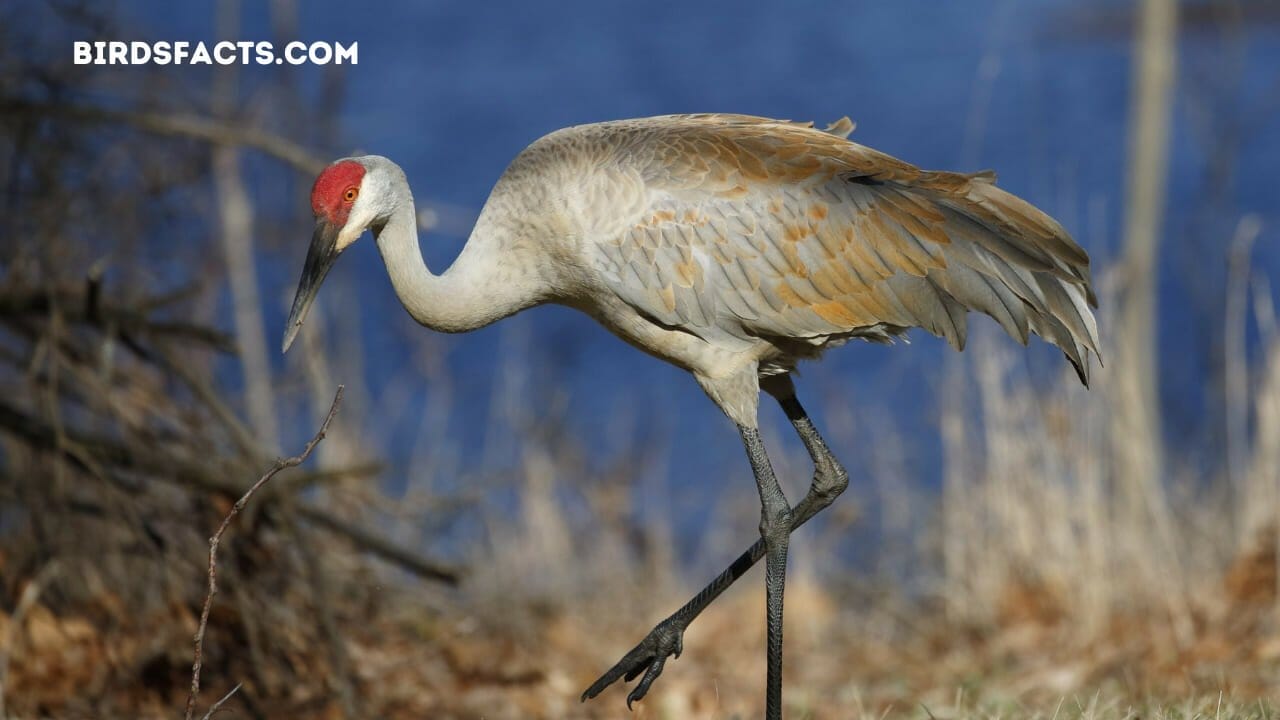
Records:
x=350, y=194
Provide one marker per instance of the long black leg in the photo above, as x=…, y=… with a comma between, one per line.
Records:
x=666, y=639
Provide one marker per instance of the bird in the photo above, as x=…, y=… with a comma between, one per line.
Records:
x=734, y=247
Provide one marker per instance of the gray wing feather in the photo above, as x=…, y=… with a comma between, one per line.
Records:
x=789, y=232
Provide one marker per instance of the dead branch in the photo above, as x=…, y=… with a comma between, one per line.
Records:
x=81, y=306
x=177, y=124
x=166, y=468
x=217, y=538
x=216, y=706
x=363, y=539
x=202, y=389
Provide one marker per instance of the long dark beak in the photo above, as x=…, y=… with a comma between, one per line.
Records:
x=320, y=257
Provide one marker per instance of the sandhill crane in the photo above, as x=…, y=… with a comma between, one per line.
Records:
x=733, y=247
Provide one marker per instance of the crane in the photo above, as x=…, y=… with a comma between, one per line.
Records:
x=733, y=247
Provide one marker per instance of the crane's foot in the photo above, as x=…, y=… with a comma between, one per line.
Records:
x=665, y=640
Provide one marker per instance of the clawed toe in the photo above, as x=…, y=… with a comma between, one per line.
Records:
x=649, y=657
x=650, y=674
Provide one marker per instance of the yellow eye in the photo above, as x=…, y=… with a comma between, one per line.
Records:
x=350, y=194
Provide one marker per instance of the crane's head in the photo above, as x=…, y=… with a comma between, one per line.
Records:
x=345, y=203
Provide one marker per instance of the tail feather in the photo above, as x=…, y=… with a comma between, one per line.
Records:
x=1013, y=262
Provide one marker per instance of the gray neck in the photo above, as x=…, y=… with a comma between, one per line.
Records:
x=467, y=296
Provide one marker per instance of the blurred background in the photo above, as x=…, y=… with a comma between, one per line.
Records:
x=495, y=518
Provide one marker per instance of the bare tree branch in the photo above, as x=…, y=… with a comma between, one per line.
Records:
x=217, y=538
x=218, y=705
x=182, y=125
x=167, y=468
x=367, y=541
x=79, y=306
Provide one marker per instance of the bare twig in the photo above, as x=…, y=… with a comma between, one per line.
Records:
x=217, y=538
x=167, y=468
x=204, y=391
x=76, y=306
x=177, y=124
x=424, y=568
x=218, y=705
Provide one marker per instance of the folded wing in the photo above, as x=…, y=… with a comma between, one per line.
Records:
x=763, y=228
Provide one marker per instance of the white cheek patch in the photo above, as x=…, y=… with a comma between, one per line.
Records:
x=357, y=220
x=349, y=234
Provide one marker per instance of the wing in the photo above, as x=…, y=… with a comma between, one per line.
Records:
x=760, y=228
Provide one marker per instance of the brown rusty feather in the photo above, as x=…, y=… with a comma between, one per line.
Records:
x=765, y=229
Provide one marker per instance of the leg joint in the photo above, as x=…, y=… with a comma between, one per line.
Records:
x=775, y=519
x=830, y=479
